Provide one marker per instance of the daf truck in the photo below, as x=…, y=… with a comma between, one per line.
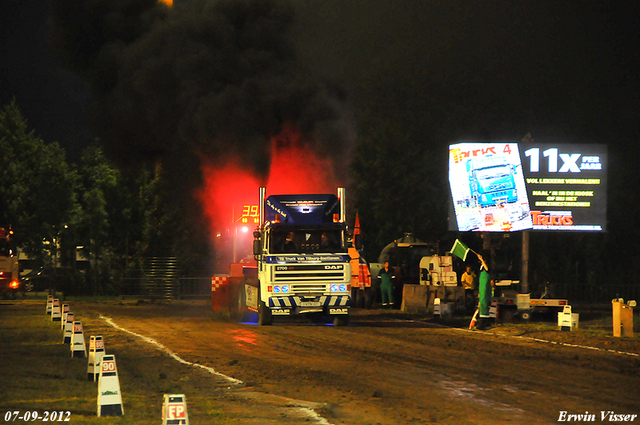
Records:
x=303, y=265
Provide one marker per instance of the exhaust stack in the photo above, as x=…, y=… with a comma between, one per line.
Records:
x=343, y=207
x=261, y=213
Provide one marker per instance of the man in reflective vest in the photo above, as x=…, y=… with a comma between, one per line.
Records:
x=360, y=279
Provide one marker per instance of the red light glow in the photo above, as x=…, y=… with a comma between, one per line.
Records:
x=244, y=339
x=294, y=169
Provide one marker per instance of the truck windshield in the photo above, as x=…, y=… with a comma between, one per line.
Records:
x=493, y=172
x=307, y=241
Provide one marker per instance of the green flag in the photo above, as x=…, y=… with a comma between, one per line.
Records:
x=460, y=250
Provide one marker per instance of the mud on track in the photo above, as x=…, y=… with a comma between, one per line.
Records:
x=383, y=369
x=389, y=370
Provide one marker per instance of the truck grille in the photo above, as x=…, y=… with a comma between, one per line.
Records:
x=309, y=273
x=308, y=288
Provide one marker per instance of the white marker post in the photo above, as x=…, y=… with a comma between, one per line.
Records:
x=56, y=316
x=567, y=321
x=65, y=311
x=96, y=351
x=68, y=329
x=78, y=346
x=49, y=304
x=174, y=410
x=109, y=397
x=436, y=308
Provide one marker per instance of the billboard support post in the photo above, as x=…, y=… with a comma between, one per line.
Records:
x=524, y=287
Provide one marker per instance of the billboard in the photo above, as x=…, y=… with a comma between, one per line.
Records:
x=509, y=186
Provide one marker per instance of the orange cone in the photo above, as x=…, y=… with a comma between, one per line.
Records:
x=473, y=320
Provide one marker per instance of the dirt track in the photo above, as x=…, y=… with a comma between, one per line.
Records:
x=385, y=369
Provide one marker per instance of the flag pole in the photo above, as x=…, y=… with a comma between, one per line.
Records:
x=482, y=262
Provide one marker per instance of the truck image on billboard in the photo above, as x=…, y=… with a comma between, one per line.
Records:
x=492, y=181
x=488, y=187
x=508, y=186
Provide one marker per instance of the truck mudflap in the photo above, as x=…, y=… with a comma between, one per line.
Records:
x=327, y=301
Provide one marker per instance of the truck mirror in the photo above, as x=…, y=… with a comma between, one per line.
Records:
x=256, y=234
x=257, y=247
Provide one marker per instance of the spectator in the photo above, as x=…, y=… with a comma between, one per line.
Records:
x=468, y=280
x=385, y=277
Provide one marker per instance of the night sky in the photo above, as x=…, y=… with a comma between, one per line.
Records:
x=53, y=100
x=566, y=70
x=454, y=70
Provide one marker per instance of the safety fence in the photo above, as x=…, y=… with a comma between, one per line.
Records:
x=159, y=279
x=180, y=288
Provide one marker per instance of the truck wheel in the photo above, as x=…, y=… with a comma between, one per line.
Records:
x=375, y=294
x=525, y=315
x=264, y=314
x=241, y=312
x=369, y=297
x=507, y=315
x=342, y=320
x=357, y=298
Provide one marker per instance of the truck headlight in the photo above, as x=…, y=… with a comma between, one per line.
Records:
x=278, y=289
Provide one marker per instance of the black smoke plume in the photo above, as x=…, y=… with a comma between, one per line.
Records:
x=208, y=78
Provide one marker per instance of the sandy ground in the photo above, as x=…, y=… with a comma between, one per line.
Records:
x=386, y=367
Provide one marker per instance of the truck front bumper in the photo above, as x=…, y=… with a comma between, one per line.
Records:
x=330, y=304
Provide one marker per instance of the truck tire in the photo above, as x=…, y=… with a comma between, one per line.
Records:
x=341, y=320
x=241, y=311
x=507, y=314
x=525, y=315
x=369, y=297
x=357, y=298
x=375, y=296
x=264, y=314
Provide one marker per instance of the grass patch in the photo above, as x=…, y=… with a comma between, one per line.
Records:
x=39, y=374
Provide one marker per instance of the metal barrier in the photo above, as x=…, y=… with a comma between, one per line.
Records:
x=181, y=288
